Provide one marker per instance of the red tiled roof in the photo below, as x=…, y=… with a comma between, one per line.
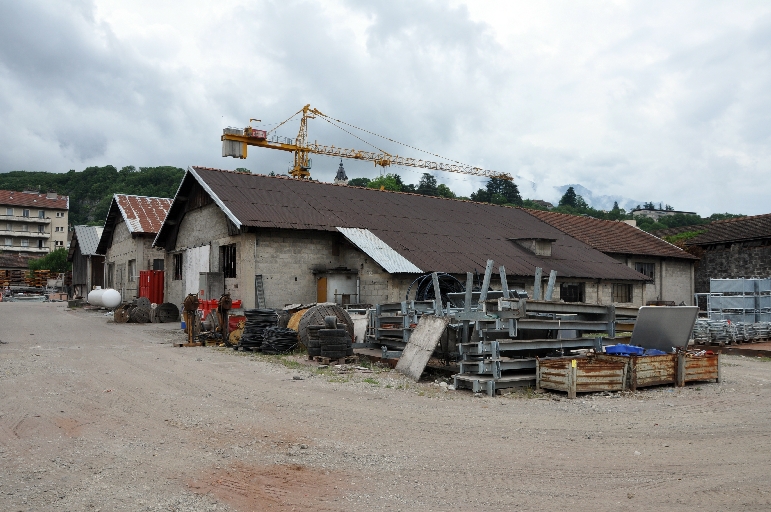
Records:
x=432, y=233
x=614, y=237
x=13, y=198
x=143, y=214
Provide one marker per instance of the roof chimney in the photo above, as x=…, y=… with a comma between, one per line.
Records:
x=51, y=195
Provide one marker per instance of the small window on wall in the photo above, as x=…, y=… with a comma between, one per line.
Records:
x=132, y=270
x=622, y=292
x=157, y=264
x=8, y=242
x=25, y=213
x=9, y=211
x=41, y=214
x=25, y=242
x=646, y=269
x=572, y=292
x=228, y=253
x=177, y=260
x=40, y=244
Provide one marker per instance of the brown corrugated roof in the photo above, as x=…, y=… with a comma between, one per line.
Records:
x=36, y=200
x=612, y=237
x=722, y=231
x=143, y=214
x=433, y=233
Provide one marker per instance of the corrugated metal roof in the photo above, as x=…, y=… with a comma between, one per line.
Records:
x=87, y=238
x=755, y=227
x=143, y=214
x=609, y=236
x=378, y=250
x=36, y=200
x=430, y=232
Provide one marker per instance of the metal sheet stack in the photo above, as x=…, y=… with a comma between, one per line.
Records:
x=257, y=320
x=278, y=340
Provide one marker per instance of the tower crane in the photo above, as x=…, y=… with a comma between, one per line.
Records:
x=236, y=140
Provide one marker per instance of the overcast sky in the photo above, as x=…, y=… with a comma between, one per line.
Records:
x=662, y=101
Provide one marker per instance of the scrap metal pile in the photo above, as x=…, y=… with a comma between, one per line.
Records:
x=141, y=311
x=725, y=332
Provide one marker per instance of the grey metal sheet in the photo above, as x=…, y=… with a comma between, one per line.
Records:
x=664, y=327
x=88, y=238
x=379, y=251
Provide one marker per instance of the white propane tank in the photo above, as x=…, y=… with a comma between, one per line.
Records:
x=111, y=298
x=95, y=296
x=106, y=298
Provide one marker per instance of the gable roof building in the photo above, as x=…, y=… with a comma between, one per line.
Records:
x=728, y=249
x=87, y=264
x=670, y=268
x=126, y=240
x=312, y=227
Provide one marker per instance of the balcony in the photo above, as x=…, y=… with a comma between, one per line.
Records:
x=24, y=234
x=17, y=218
x=19, y=248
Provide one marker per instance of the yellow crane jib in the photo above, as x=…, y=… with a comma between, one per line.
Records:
x=236, y=140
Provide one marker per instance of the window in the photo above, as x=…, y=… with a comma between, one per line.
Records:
x=646, y=269
x=572, y=292
x=177, y=260
x=622, y=292
x=8, y=242
x=58, y=243
x=40, y=244
x=59, y=214
x=157, y=264
x=25, y=242
x=41, y=214
x=8, y=226
x=25, y=213
x=9, y=211
x=132, y=270
x=24, y=227
x=228, y=259
x=40, y=228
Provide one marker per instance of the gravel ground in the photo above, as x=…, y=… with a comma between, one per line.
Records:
x=102, y=416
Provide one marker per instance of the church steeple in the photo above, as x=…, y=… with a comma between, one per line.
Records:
x=341, y=178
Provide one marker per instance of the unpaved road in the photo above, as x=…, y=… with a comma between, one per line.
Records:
x=102, y=416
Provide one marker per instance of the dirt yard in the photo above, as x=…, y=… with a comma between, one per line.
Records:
x=102, y=416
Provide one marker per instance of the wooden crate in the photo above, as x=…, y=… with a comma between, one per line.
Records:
x=581, y=375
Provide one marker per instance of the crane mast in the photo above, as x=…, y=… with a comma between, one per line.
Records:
x=235, y=142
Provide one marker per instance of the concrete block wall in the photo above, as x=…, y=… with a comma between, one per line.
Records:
x=738, y=260
x=126, y=247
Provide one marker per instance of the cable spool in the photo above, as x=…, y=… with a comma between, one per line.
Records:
x=315, y=316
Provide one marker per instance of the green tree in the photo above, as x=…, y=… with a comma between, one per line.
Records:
x=504, y=188
x=55, y=261
x=358, y=182
x=443, y=190
x=389, y=181
x=427, y=185
x=569, y=198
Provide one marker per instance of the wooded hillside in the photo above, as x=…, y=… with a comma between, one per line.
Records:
x=91, y=190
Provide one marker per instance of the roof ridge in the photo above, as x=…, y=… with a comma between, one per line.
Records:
x=284, y=177
x=146, y=197
x=738, y=219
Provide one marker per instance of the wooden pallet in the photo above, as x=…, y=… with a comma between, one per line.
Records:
x=327, y=360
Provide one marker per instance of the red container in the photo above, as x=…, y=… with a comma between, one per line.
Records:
x=151, y=285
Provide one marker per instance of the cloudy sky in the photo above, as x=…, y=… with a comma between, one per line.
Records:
x=661, y=101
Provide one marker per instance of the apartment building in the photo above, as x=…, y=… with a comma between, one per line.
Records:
x=32, y=222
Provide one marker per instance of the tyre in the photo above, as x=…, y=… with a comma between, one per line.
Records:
x=314, y=352
x=333, y=348
x=332, y=333
x=334, y=355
